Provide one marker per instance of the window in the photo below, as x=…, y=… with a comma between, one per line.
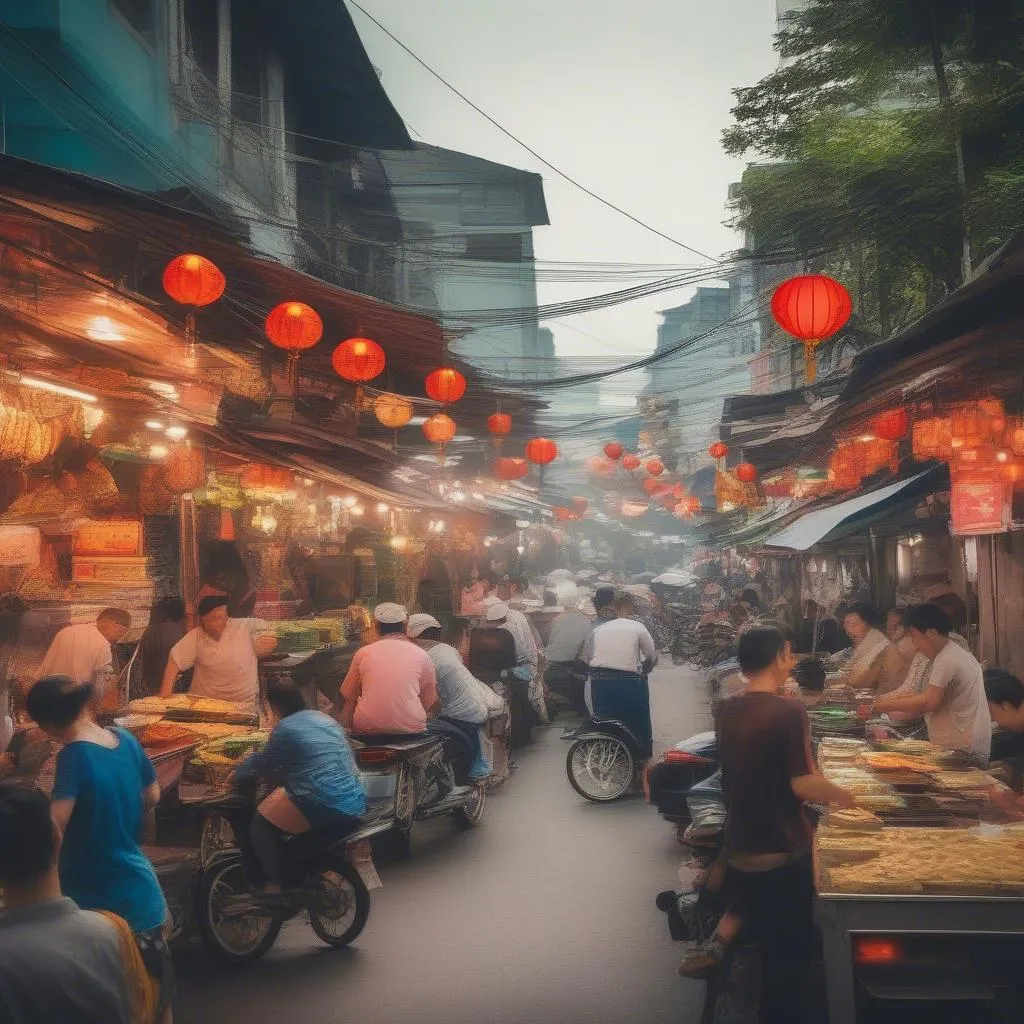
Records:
x=139, y=14
x=200, y=18
x=498, y=248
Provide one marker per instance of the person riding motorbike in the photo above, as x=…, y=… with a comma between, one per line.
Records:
x=310, y=762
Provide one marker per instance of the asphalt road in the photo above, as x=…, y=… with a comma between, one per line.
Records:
x=544, y=913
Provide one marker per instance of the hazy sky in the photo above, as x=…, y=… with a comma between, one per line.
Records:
x=629, y=98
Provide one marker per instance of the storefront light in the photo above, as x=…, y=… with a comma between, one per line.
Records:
x=1002, y=457
x=521, y=549
x=399, y=543
x=102, y=328
x=157, y=451
x=382, y=507
x=350, y=501
x=57, y=389
x=358, y=510
x=154, y=425
x=175, y=433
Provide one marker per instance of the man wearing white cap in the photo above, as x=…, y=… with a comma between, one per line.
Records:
x=391, y=684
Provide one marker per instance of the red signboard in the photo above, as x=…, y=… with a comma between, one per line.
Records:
x=979, y=504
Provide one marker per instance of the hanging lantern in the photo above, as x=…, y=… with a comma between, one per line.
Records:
x=579, y=505
x=650, y=485
x=932, y=438
x=184, y=468
x=294, y=327
x=358, y=360
x=541, y=451
x=718, y=450
x=746, y=473
x=880, y=455
x=446, y=385
x=193, y=280
x=630, y=462
x=655, y=467
x=847, y=466
x=511, y=469
x=499, y=425
x=439, y=430
x=613, y=450
x=811, y=308
x=392, y=411
x=968, y=426
x=891, y=425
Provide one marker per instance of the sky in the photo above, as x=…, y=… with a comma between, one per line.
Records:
x=630, y=99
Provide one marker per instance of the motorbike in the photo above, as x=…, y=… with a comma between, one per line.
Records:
x=320, y=880
x=683, y=767
x=429, y=779
x=603, y=760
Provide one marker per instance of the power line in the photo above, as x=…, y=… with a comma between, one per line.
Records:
x=547, y=163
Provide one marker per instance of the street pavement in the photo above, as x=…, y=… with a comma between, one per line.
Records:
x=544, y=913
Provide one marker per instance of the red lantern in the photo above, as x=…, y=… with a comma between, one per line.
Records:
x=358, y=360
x=499, y=424
x=294, y=327
x=193, y=280
x=811, y=307
x=579, y=505
x=510, y=469
x=655, y=467
x=446, y=385
x=613, y=450
x=746, y=472
x=718, y=450
x=631, y=462
x=650, y=485
x=541, y=451
x=891, y=425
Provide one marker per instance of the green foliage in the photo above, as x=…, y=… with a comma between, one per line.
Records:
x=859, y=127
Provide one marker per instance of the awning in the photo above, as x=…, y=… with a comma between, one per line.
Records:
x=817, y=526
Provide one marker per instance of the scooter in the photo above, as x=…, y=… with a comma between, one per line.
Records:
x=603, y=760
x=682, y=767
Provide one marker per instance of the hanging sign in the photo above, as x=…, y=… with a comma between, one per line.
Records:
x=979, y=504
x=19, y=545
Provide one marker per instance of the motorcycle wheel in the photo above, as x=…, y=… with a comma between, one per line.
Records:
x=469, y=814
x=600, y=768
x=342, y=904
x=218, y=837
x=230, y=933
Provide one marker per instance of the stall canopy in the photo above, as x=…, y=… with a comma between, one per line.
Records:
x=830, y=523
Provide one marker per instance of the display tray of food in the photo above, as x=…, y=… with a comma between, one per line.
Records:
x=208, y=771
x=184, y=707
x=983, y=861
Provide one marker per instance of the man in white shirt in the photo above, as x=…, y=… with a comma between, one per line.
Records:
x=82, y=652
x=620, y=653
x=953, y=700
x=224, y=653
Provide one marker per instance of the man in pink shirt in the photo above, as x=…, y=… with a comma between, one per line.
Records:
x=391, y=685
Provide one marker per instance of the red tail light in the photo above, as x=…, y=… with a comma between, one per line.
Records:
x=377, y=755
x=875, y=949
x=684, y=757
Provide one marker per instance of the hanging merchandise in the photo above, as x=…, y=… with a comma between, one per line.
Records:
x=630, y=462
x=892, y=425
x=294, y=327
x=718, y=450
x=184, y=468
x=688, y=507
x=932, y=438
x=446, y=385
x=811, y=308
x=655, y=467
x=613, y=450
x=155, y=498
x=730, y=494
x=194, y=281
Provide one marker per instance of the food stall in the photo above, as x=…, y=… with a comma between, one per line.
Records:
x=917, y=858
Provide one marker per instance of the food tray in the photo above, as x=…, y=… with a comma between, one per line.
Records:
x=193, y=715
x=906, y=782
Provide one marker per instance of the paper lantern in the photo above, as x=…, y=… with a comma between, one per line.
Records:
x=511, y=469
x=891, y=425
x=746, y=472
x=932, y=438
x=499, y=424
x=969, y=426
x=811, y=308
x=440, y=428
x=655, y=467
x=446, y=385
x=193, y=280
x=847, y=466
x=630, y=462
x=541, y=451
x=294, y=327
x=718, y=450
x=613, y=450
x=579, y=505
x=392, y=411
x=650, y=485
x=358, y=360
x=184, y=468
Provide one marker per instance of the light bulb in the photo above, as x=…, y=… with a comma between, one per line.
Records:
x=175, y=433
x=358, y=510
x=521, y=549
x=349, y=501
x=382, y=507
x=157, y=451
x=154, y=425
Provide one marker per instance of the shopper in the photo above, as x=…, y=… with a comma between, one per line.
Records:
x=953, y=700
x=83, y=651
x=57, y=962
x=768, y=774
x=103, y=789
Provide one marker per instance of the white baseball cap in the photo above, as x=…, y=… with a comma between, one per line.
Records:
x=496, y=611
x=420, y=622
x=390, y=613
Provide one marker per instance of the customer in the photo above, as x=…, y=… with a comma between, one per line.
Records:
x=391, y=685
x=223, y=652
x=166, y=627
x=103, y=789
x=57, y=963
x=768, y=774
x=876, y=662
x=83, y=651
x=953, y=701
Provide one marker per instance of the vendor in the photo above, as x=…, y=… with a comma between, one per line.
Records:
x=223, y=652
x=82, y=651
x=877, y=663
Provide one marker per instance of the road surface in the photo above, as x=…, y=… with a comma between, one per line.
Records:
x=544, y=913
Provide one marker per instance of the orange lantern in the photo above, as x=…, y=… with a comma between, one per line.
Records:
x=650, y=485
x=193, y=280
x=446, y=385
x=655, y=467
x=811, y=307
x=294, y=327
x=510, y=469
x=847, y=466
x=541, y=451
x=746, y=472
x=439, y=430
x=358, y=360
x=499, y=424
x=630, y=462
x=718, y=450
x=932, y=438
x=579, y=505
x=392, y=411
x=891, y=425
x=613, y=450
